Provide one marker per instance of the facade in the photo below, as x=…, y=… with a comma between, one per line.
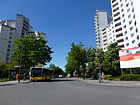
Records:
x=37, y=34
x=22, y=25
x=7, y=35
x=102, y=20
x=9, y=31
x=124, y=28
x=126, y=20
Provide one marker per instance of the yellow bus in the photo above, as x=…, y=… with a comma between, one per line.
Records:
x=40, y=73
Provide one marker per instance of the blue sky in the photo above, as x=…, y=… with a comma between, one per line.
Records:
x=63, y=21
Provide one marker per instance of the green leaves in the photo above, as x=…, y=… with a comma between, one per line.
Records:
x=57, y=70
x=30, y=51
x=78, y=59
x=111, y=62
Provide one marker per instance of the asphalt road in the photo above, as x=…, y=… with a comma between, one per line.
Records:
x=68, y=92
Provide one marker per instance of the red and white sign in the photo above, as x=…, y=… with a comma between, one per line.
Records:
x=130, y=58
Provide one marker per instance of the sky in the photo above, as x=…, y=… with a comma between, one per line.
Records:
x=63, y=21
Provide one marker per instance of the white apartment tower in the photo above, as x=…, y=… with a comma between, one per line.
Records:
x=126, y=20
x=9, y=31
x=125, y=27
x=102, y=20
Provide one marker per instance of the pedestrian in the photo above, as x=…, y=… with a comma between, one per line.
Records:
x=18, y=78
x=99, y=77
x=102, y=77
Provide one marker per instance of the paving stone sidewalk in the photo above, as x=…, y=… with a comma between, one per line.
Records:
x=13, y=82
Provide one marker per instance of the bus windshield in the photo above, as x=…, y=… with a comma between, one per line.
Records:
x=35, y=72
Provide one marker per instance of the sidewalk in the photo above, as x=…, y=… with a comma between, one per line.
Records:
x=13, y=82
x=113, y=83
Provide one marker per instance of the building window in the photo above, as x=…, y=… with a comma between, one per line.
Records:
x=128, y=10
x=117, y=19
x=120, y=40
x=116, y=9
x=121, y=46
x=119, y=35
x=136, y=30
x=130, y=22
x=9, y=41
x=135, y=23
x=123, y=20
x=122, y=10
x=131, y=3
x=10, y=37
x=138, y=37
x=121, y=5
x=133, y=41
x=11, y=33
x=131, y=28
x=126, y=38
x=116, y=14
x=125, y=32
x=113, y=1
x=127, y=44
x=8, y=49
x=119, y=29
x=123, y=15
x=124, y=26
x=9, y=46
x=132, y=35
x=129, y=16
x=118, y=24
x=134, y=16
x=133, y=10
x=115, y=4
x=127, y=4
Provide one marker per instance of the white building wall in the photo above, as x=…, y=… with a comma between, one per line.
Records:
x=9, y=31
x=101, y=20
x=126, y=22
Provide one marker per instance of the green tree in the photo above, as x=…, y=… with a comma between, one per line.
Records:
x=77, y=59
x=91, y=62
x=3, y=71
x=111, y=62
x=99, y=58
x=30, y=51
x=56, y=70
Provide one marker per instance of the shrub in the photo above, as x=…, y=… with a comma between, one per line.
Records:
x=130, y=77
x=108, y=77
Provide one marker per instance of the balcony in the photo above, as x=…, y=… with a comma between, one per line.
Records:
x=119, y=35
x=120, y=40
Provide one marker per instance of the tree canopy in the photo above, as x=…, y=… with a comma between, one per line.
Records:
x=30, y=50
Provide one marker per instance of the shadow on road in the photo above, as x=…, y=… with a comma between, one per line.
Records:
x=56, y=80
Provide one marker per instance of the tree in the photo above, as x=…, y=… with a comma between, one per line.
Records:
x=111, y=62
x=77, y=59
x=3, y=71
x=30, y=51
x=56, y=70
x=99, y=58
x=91, y=62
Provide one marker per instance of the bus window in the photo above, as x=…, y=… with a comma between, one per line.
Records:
x=36, y=73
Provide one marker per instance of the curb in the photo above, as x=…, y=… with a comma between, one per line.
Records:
x=8, y=84
x=108, y=83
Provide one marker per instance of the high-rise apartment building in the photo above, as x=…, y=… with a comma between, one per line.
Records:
x=126, y=20
x=125, y=27
x=102, y=20
x=9, y=31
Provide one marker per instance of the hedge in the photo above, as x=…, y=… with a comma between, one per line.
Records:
x=108, y=77
x=130, y=77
